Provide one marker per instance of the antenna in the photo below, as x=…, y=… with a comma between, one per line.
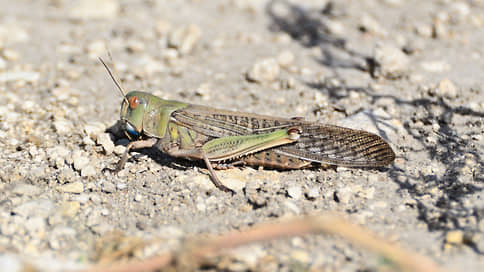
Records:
x=117, y=82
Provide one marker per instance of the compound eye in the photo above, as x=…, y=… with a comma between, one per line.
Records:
x=133, y=102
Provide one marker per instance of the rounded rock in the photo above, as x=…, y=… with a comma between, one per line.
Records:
x=313, y=193
x=76, y=187
x=88, y=171
x=185, y=38
x=104, y=139
x=80, y=162
x=447, y=88
x=93, y=9
x=70, y=208
x=285, y=58
x=295, y=192
x=392, y=62
x=264, y=70
x=62, y=126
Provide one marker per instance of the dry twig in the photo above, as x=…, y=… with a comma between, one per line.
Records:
x=194, y=254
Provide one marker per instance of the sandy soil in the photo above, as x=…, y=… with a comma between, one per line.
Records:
x=410, y=71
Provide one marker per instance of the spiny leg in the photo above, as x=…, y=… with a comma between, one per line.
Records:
x=133, y=145
x=225, y=166
x=213, y=176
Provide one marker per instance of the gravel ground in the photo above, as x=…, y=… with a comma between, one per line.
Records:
x=410, y=71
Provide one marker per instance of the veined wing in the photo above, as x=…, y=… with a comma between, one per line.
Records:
x=221, y=123
x=335, y=145
x=321, y=143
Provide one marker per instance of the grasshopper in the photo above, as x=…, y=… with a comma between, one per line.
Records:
x=224, y=139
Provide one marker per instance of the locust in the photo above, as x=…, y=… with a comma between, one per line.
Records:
x=223, y=139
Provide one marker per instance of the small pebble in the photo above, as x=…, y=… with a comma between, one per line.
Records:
x=295, y=192
x=13, y=33
x=64, y=93
x=104, y=139
x=41, y=208
x=88, y=141
x=368, y=193
x=121, y=186
x=94, y=10
x=285, y=58
x=62, y=126
x=437, y=66
x=170, y=54
x=201, y=206
x=105, y=212
x=440, y=29
x=70, y=208
x=119, y=149
x=370, y=24
x=185, y=38
x=80, y=161
x=459, y=9
x=12, y=262
x=11, y=55
x=27, y=76
x=35, y=225
x=94, y=218
x=447, y=89
x=88, y=171
x=203, y=181
x=81, y=198
x=76, y=187
x=301, y=256
x=138, y=197
x=394, y=3
x=392, y=62
x=264, y=70
x=423, y=30
x=313, y=193
x=162, y=27
x=343, y=195
x=95, y=49
x=135, y=46
x=108, y=187
x=248, y=255
x=3, y=64
x=455, y=237
x=335, y=27
x=26, y=189
x=60, y=151
x=93, y=129
x=234, y=183
x=292, y=207
x=204, y=90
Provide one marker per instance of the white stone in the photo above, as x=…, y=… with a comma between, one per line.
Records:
x=104, y=139
x=28, y=76
x=76, y=187
x=294, y=192
x=264, y=70
x=94, y=9
x=185, y=38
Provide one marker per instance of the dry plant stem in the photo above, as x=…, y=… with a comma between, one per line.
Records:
x=323, y=224
x=151, y=264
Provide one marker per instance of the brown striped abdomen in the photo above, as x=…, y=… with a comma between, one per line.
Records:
x=272, y=159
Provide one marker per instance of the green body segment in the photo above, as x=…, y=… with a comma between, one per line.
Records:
x=231, y=147
x=152, y=115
